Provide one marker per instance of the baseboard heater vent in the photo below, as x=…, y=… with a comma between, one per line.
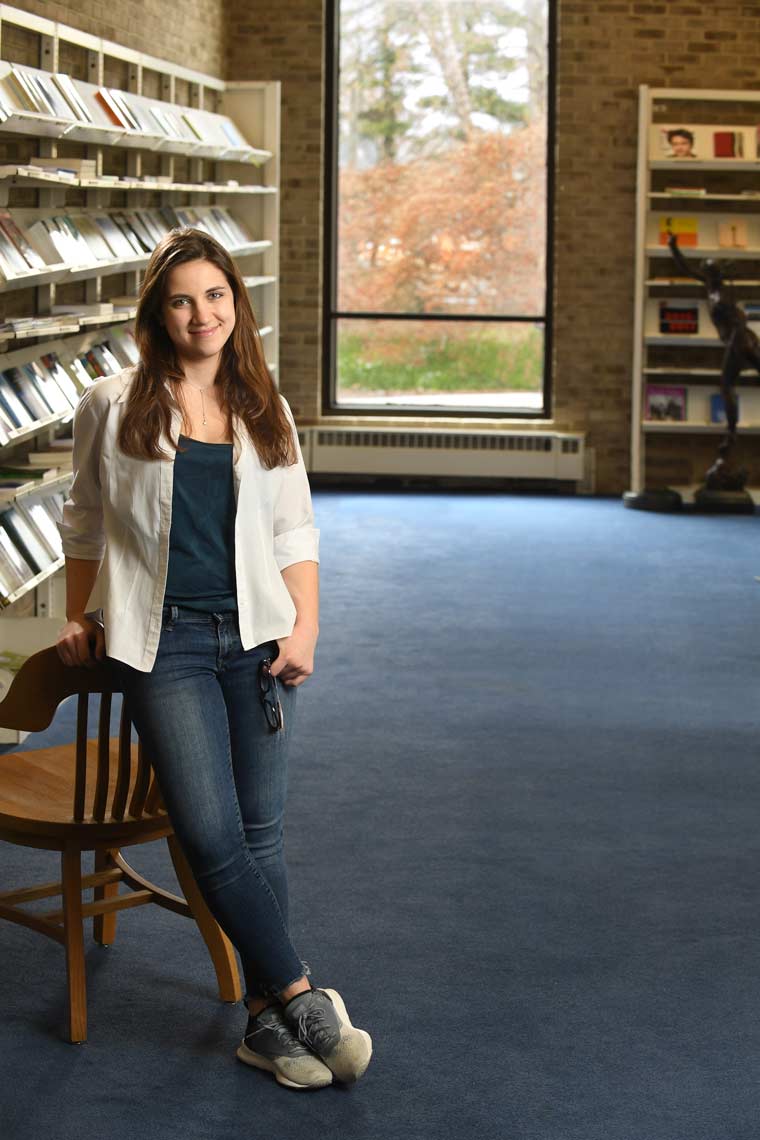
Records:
x=456, y=454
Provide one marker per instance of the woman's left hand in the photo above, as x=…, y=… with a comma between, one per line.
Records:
x=295, y=661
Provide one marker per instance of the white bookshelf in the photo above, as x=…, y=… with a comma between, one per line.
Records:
x=718, y=198
x=242, y=175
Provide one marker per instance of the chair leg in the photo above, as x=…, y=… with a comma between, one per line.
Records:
x=104, y=925
x=219, y=946
x=71, y=876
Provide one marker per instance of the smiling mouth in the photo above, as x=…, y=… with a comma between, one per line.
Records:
x=204, y=332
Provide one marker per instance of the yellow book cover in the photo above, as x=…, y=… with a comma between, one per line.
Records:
x=732, y=235
x=685, y=229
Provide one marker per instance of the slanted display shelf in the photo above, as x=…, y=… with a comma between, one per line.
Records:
x=205, y=141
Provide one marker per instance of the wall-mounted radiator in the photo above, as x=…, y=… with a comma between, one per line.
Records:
x=454, y=454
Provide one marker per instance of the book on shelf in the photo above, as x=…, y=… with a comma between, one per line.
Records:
x=52, y=365
x=11, y=261
x=28, y=253
x=137, y=239
x=24, y=90
x=112, y=111
x=14, y=566
x=81, y=167
x=15, y=409
x=728, y=144
x=665, y=402
x=58, y=397
x=93, y=236
x=37, y=513
x=86, y=309
x=718, y=408
x=733, y=234
x=28, y=394
x=113, y=235
x=678, y=317
x=46, y=459
x=27, y=541
x=686, y=230
x=68, y=90
x=687, y=191
x=123, y=108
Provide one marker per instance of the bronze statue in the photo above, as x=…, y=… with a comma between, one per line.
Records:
x=742, y=351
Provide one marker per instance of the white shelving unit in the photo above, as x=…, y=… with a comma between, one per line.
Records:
x=719, y=197
x=153, y=172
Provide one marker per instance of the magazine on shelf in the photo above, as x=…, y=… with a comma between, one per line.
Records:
x=93, y=236
x=50, y=388
x=679, y=317
x=728, y=144
x=28, y=394
x=140, y=244
x=24, y=90
x=75, y=101
x=40, y=234
x=686, y=230
x=11, y=261
x=665, y=402
x=20, y=241
x=116, y=239
x=122, y=341
x=733, y=234
x=113, y=113
x=56, y=371
x=16, y=569
x=19, y=414
x=718, y=408
x=132, y=219
x=46, y=85
x=38, y=515
x=26, y=539
x=152, y=224
x=123, y=108
x=84, y=251
x=106, y=359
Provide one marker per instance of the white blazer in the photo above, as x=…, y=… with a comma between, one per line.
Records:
x=119, y=514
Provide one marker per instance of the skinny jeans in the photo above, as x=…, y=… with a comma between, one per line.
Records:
x=223, y=778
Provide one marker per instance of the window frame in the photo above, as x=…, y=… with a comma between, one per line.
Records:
x=331, y=315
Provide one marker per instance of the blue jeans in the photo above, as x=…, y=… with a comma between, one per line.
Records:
x=223, y=777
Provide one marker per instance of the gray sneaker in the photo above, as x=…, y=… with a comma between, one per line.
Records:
x=320, y=1021
x=269, y=1044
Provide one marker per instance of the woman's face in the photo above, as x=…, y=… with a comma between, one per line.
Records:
x=198, y=310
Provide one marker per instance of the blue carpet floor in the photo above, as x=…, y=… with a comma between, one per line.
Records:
x=523, y=841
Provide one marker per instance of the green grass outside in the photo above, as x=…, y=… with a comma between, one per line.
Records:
x=475, y=363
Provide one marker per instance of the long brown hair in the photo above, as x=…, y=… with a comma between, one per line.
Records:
x=245, y=384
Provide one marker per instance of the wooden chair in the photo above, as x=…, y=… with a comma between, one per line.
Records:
x=97, y=795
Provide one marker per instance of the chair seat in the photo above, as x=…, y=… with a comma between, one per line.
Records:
x=35, y=797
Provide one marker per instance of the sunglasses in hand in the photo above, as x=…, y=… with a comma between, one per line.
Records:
x=269, y=697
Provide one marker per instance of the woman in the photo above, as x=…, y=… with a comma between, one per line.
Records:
x=189, y=524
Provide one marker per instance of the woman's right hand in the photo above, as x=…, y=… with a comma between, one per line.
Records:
x=81, y=642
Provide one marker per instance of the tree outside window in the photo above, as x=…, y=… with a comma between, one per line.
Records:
x=441, y=204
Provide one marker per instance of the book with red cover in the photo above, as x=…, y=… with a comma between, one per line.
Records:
x=724, y=144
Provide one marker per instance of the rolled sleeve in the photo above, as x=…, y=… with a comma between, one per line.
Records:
x=82, y=531
x=296, y=539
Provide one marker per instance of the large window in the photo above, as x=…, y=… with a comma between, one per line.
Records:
x=436, y=284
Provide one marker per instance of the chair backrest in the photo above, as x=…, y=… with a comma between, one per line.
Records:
x=42, y=682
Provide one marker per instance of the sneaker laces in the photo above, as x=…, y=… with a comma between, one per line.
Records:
x=314, y=1027
x=281, y=1032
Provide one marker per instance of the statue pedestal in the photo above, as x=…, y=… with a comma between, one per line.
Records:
x=724, y=502
x=663, y=500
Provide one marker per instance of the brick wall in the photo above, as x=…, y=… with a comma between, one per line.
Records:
x=188, y=32
x=286, y=43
